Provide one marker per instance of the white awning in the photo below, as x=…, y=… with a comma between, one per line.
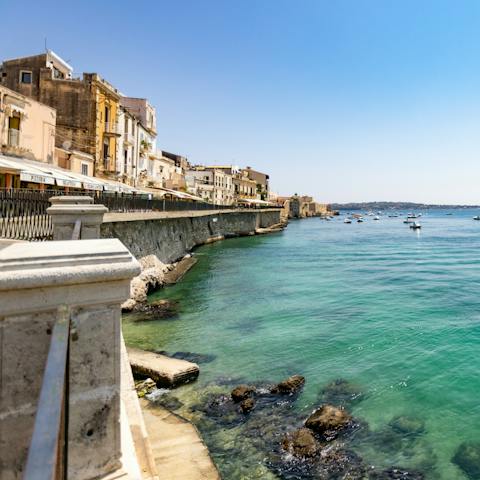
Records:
x=62, y=178
x=28, y=172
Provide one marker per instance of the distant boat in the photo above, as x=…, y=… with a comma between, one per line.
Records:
x=393, y=216
x=376, y=217
x=359, y=220
x=347, y=220
x=408, y=220
x=415, y=226
x=477, y=217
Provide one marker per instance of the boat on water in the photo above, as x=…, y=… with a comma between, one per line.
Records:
x=360, y=220
x=409, y=220
x=415, y=226
x=347, y=220
x=376, y=217
x=393, y=216
x=477, y=217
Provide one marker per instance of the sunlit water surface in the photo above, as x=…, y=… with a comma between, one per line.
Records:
x=393, y=310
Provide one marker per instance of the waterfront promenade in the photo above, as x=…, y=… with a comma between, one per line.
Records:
x=60, y=302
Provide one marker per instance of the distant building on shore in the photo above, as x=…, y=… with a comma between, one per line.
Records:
x=302, y=206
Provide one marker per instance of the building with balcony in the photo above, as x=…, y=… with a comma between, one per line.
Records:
x=87, y=108
x=261, y=180
x=127, y=146
x=219, y=182
x=27, y=130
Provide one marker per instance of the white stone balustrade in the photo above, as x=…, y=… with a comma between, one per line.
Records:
x=91, y=278
x=66, y=210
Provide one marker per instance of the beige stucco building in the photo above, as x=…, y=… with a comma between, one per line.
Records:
x=27, y=130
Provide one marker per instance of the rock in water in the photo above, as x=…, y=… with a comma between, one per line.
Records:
x=289, y=386
x=301, y=443
x=407, y=425
x=341, y=392
x=247, y=405
x=395, y=473
x=143, y=387
x=467, y=457
x=328, y=421
x=159, y=309
x=242, y=392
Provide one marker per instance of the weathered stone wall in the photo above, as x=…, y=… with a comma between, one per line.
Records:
x=171, y=238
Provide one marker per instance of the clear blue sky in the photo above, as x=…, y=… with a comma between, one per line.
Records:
x=345, y=100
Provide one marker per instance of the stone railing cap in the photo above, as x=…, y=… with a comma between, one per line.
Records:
x=35, y=264
x=71, y=200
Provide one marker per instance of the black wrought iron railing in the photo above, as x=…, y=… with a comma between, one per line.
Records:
x=23, y=213
x=48, y=452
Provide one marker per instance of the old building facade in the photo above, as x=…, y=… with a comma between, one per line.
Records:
x=87, y=108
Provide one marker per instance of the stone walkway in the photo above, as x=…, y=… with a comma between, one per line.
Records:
x=179, y=452
x=133, y=216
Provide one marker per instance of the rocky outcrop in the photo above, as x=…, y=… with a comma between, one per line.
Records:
x=242, y=392
x=247, y=405
x=301, y=443
x=290, y=386
x=150, y=279
x=328, y=421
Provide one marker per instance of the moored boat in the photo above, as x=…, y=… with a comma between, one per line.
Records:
x=415, y=226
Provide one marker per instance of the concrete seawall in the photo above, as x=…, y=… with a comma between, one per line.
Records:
x=171, y=235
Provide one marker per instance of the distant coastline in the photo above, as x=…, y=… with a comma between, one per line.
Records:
x=394, y=206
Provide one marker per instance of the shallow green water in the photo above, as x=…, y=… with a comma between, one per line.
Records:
x=393, y=310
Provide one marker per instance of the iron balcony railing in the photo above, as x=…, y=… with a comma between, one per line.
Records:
x=48, y=453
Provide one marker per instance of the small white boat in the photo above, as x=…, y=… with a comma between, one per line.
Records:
x=409, y=220
x=359, y=220
x=376, y=217
x=415, y=226
x=477, y=217
x=347, y=220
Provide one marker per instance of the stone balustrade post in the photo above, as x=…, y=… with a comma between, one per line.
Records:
x=91, y=278
x=66, y=210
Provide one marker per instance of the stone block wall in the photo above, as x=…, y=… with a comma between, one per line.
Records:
x=171, y=238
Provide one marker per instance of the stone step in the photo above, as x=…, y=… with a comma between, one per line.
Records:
x=165, y=371
x=183, y=266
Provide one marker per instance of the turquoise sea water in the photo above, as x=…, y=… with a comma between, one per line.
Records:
x=393, y=310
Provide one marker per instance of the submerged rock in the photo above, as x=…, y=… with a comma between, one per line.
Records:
x=407, y=425
x=247, y=405
x=301, y=443
x=289, y=386
x=159, y=309
x=189, y=356
x=341, y=392
x=394, y=473
x=330, y=463
x=221, y=409
x=467, y=457
x=242, y=392
x=328, y=421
